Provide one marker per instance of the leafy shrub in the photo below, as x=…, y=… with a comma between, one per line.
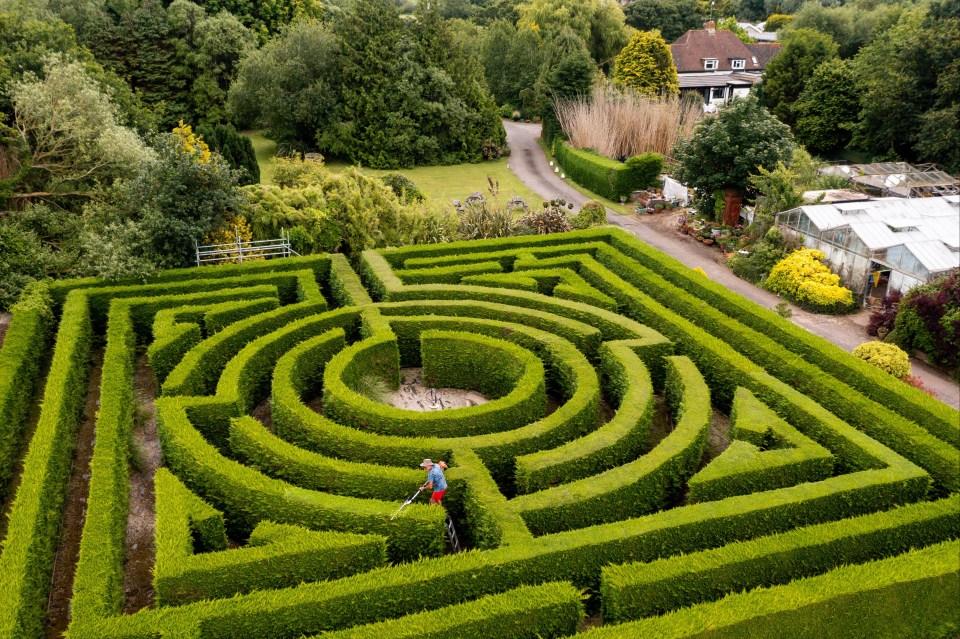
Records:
x=764, y=255
x=404, y=188
x=887, y=357
x=928, y=319
x=592, y=213
x=506, y=112
x=551, y=219
x=884, y=318
x=777, y=21
x=806, y=280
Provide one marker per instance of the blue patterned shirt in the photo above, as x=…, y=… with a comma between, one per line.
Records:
x=436, y=476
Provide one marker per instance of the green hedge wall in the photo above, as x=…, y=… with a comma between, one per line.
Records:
x=511, y=375
x=903, y=436
x=98, y=582
x=248, y=497
x=20, y=359
x=177, y=330
x=530, y=612
x=33, y=526
x=637, y=590
x=254, y=445
x=447, y=274
x=910, y=595
x=198, y=372
x=641, y=486
x=744, y=468
x=317, y=265
x=604, y=176
x=278, y=555
x=627, y=386
x=935, y=416
x=575, y=556
x=571, y=374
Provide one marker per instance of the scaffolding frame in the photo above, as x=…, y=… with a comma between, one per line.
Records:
x=241, y=249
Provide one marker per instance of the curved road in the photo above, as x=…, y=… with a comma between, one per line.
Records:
x=529, y=162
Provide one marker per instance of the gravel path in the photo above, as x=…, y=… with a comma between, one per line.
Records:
x=529, y=162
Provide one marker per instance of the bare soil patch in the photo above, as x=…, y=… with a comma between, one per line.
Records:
x=413, y=394
x=71, y=525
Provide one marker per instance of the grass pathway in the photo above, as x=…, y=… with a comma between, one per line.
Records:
x=265, y=150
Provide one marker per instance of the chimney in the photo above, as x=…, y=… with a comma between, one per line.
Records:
x=711, y=27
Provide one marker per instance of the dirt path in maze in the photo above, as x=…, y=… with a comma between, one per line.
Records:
x=4, y=325
x=145, y=458
x=71, y=525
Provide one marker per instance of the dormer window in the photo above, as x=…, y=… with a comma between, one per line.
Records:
x=710, y=64
x=738, y=63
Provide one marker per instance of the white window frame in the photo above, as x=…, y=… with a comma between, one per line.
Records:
x=738, y=64
x=710, y=64
x=722, y=96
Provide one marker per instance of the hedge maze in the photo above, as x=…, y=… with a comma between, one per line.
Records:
x=656, y=452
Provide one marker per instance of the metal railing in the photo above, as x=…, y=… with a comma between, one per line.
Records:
x=241, y=249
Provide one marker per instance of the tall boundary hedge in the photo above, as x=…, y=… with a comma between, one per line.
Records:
x=606, y=177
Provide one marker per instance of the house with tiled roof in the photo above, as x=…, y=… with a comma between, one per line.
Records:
x=716, y=64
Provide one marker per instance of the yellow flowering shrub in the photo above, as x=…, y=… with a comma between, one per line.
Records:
x=804, y=278
x=887, y=357
x=227, y=234
x=192, y=143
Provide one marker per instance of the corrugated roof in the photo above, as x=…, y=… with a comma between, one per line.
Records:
x=825, y=216
x=934, y=255
x=924, y=223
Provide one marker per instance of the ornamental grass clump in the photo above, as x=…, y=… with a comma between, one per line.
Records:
x=805, y=279
x=887, y=357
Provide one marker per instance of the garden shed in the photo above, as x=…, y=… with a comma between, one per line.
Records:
x=881, y=245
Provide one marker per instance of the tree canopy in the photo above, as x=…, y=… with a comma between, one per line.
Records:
x=727, y=148
x=600, y=23
x=785, y=76
x=672, y=19
x=827, y=109
x=374, y=88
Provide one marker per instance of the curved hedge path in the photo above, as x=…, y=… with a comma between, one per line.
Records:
x=591, y=482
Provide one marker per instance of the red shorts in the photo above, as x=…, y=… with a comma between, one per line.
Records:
x=438, y=495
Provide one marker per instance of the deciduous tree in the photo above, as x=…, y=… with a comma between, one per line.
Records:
x=786, y=75
x=828, y=107
x=726, y=148
x=68, y=131
x=672, y=19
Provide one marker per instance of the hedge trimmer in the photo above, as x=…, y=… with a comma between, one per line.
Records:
x=408, y=502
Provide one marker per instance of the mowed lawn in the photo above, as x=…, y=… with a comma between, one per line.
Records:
x=265, y=149
x=444, y=183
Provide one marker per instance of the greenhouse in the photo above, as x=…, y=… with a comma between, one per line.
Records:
x=881, y=245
